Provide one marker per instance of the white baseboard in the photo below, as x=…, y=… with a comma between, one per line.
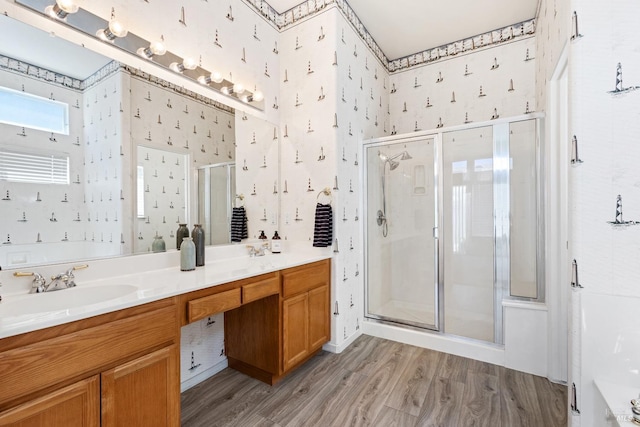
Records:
x=477, y=350
x=197, y=379
x=334, y=348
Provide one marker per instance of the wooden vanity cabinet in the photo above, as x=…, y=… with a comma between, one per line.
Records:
x=305, y=312
x=76, y=405
x=116, y=369
x=269, y=337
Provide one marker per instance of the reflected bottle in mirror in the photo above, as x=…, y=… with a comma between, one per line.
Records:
x=187, y=254
x=158, y=244
x=198, y=239
x=182, y=232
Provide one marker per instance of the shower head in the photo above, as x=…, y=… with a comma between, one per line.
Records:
x=393, y=164
x=405, y=156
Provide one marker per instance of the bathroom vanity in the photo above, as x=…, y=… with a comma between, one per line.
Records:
x=117, y=362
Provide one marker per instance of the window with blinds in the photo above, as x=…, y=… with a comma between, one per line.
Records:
x=33, y=112
x=34, y=168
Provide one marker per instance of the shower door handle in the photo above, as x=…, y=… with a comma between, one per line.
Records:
x=435, y=233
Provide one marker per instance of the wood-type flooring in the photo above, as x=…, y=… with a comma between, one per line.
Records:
x=377, y=382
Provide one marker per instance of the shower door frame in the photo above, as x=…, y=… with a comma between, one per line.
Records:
x=205, y=204
x=502, y=235
x=437, y=206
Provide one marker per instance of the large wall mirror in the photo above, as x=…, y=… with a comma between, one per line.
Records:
x=98, y=158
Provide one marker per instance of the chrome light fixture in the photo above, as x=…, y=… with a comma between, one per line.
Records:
x=61, y=9
x=154, y=48
x=114, y=30
x=117, y=34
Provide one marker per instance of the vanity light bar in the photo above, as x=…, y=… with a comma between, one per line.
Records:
x=91, y=25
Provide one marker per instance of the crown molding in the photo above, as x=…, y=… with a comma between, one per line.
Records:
x=283, y=21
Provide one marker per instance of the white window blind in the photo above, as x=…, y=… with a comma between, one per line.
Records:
x=34, y=168
x=34, y=112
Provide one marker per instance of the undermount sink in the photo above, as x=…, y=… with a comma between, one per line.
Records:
x=64, y=299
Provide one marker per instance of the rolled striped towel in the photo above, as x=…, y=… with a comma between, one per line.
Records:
x=323, y=229
x=239, y=224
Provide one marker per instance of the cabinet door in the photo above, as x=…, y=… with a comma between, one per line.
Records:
x=72, y=406
x=295, y=323
x=318, y=317
x=143, y=392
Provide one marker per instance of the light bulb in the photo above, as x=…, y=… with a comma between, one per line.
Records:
x=238, y=88
x=189, y=63
x=216, y=76
x=158, y=48
x=117, y=28
x=177, y=67
x=61, y=9
x=154, y=48
x=227, y=90
x=205, y=80
x=258, y=96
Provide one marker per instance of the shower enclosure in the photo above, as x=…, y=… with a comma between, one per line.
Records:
x=452, y=226
x=216, y=192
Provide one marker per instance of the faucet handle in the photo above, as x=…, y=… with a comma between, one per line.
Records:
x=38, y=280
x=76, y=267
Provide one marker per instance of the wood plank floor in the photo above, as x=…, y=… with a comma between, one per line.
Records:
x=376, y=382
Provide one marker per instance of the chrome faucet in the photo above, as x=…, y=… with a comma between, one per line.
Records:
x=40, y=283
x=259, y=251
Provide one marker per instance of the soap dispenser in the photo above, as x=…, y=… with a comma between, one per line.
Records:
x=275, y=244
x=262, y=235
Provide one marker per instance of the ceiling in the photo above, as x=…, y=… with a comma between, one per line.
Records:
x=405, y=27
x=42, y=49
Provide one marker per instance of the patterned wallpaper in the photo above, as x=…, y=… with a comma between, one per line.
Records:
x=482, y=85
x=257, y=173
x=604, y=190
x=175, y=129
x=552, y=34
x=334, y=96
x=229, y=36
x=31, y=213
x=105, y=147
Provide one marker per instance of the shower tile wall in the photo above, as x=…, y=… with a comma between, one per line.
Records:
x=475, y=87
x=333, y=96
x=604, y=74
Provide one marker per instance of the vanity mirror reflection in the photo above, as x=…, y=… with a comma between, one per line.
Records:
x=123, y=167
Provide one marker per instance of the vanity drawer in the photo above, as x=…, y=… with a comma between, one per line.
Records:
x=206, y=306
x=261, y=289
x=300, y=279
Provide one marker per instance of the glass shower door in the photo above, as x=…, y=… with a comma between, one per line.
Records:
x=468, y=233
x=401, y=262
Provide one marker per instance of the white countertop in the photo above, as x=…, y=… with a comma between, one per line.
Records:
x=142, y=279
